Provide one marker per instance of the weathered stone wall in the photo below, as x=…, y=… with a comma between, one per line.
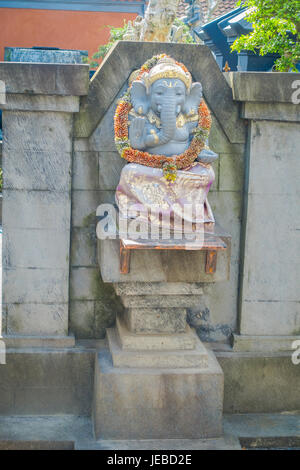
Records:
x=60, y=163
x=37, y=165
x=270, y=296
x=57, y=171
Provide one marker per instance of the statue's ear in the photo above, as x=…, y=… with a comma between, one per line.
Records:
x=193, y=98
x=139, y=97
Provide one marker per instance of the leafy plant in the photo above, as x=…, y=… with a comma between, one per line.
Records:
x=116, y=34
x=276, y=29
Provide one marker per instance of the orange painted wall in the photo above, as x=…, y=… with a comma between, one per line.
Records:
x=83, y=30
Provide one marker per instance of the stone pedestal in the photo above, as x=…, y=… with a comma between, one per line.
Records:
x=157, y=381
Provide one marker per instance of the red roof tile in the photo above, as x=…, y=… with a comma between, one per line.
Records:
x=221, y=7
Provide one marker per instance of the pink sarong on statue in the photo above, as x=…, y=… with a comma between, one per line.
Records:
x=183, y=200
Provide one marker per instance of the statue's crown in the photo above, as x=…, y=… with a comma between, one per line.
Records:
x=167, y=68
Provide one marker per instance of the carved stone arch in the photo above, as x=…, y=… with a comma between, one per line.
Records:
x=127, y=56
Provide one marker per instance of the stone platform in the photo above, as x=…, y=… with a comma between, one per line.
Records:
x=155, y=403
x=76, y=432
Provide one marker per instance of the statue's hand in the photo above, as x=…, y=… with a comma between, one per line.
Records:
x=137, y=133
x=207, y=156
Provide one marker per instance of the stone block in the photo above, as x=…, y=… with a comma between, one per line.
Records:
x=271, y=269
x=110, y=167
x=231, y=173
x=30, y=170
x=83, y=283
x=219, y=142
x=82, y=145
x=260, y=382
x=7, y=400
x=82, y=318
x=270, y=317
x=47, y=374
x=103, y=137
x=156, y=359
x=37, y=319
x=167, y=301
x=263, y=86
x=155, y=320
x=18, y=102
x=37, y=132
x=271, y=111
x=27, y=248
x=105, y=313
x=158, y=288
x=264, y=343
x=83, y=247
x=84, y=205
x=157, y=403
x=159, y=342
x=160, y=266
x=25, y=285
x=216, y=316
x=48, y=79
x=36, y=210
x=85, y=170
x=273, y=160
x=44, y=400
x=52, y=342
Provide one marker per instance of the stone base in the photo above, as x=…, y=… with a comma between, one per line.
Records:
x=153, y=403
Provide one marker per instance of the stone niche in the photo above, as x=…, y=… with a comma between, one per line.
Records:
x=157, y=379
x=97, y=167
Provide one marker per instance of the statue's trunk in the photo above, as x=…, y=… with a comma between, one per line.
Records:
x=168, y=121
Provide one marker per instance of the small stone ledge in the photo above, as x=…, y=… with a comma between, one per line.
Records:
x=21, y=342
x=265, y=87
x=45, y=79
x=253, y=343
x=271, y=111
x=23, y=102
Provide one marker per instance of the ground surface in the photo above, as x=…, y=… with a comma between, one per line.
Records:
x=69, y=432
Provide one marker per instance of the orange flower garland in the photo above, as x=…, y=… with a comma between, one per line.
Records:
x=181, y=161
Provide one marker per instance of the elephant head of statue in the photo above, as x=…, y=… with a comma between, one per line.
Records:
x=166, y=92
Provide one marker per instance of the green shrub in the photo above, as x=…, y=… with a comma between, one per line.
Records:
x=276, y=29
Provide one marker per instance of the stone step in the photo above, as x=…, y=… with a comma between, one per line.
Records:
x=158, y=288
x=154, y=301
x=221, y=443
x=160, y=342
x=162, y=359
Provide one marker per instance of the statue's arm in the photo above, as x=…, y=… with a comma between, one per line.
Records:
x=206, y=155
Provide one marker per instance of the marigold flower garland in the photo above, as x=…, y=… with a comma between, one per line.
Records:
x=168, y=164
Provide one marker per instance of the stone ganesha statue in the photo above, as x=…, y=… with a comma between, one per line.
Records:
x=161, y=127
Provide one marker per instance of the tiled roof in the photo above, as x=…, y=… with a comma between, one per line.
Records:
x=222, y=7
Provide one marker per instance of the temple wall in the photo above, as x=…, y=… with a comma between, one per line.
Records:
x=60, y=163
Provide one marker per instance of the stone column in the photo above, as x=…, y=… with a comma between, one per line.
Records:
x=37, y=166
x=269, y=302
